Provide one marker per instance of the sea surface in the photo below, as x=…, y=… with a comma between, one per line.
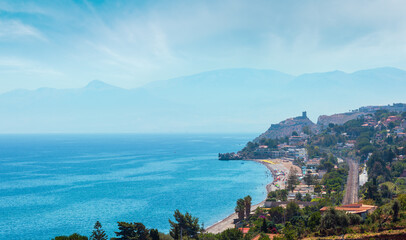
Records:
x=53, y=185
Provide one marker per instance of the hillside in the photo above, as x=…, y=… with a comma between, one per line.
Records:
x=287, y=127
x=341, y=118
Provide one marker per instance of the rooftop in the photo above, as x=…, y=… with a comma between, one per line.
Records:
x=354, y=208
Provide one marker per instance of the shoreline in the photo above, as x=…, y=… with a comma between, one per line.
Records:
x=279, y=170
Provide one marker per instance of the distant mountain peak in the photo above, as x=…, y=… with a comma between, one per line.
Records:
x=99, y=85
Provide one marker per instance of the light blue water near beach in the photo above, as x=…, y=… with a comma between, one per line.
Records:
x=54, y=185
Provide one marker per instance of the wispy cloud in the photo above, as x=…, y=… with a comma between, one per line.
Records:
x=132, y=42
x=15, y=29
x=25, y=67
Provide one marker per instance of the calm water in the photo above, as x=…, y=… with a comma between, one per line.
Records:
x=60, y=184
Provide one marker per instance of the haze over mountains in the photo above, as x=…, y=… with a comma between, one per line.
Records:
x=229, y=100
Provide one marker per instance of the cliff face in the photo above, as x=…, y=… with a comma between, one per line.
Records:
x=287, y=127
x=339, y=118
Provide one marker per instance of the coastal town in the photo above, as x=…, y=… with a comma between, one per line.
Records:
x=351, y=163
x=342, y=178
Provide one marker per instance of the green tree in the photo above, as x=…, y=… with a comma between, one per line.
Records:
x=317, y=188
x=395, y=209
x=240, y=208
x=74, y=236
x=231, y=234
x=208, y=236
x=354, y=219
x=306, y=130
x=154, y=234
x=298, y=196
x=132, y=231
x=402, y=201
x=307, y=198
x=264, y=226
x=98, y=233
x=277, y=214
x=328, y=166
x=263, y=237
x=184, y=225
x=292, y=210
x=292, y=179
x=289, y=232
x=334, y=222
x=247, y=205
x=308, y=179
x=314, y=220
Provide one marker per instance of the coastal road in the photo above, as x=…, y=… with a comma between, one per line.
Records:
x=351, y=190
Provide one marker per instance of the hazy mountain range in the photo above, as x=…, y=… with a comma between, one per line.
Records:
x=230, y=100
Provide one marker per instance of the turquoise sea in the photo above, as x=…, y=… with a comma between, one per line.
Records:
x=54, y=185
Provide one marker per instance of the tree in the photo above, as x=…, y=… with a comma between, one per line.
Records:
x=402, y=201
x=354, y=219
x=132, y=231
x=298, y=196
x=307, y=198
x=395, y=208
x=328, y=166
x=385, y=192
x=306, y=130
x=231, y=234
x=292, y=210
x=263, y=237
x=277, y=214
x=317, y=188
x=264, y=226
x=334, y=221
x=240, y=208
x=314, y=220
x=294, y=133
x=74, y=236
x=292, y=179
x=289, y=232
x=308, y=179
x=247, y=205
x=185, y=225
x=154, y=234
x=98, y=233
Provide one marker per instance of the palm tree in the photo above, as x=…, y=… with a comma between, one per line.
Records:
x=247, y=202
x=239, y=209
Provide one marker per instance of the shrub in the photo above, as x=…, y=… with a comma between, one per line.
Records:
x=354, y=219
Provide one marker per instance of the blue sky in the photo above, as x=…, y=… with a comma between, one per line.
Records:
x=66, y=44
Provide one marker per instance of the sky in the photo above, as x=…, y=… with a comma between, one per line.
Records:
x=66, y=44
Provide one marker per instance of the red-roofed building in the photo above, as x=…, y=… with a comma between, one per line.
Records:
x=244, y=230
x=355, y=208
x=392, y=119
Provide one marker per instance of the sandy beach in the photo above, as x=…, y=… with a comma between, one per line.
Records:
x=280, y=171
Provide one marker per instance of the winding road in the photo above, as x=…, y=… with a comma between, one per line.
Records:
x=351, y=190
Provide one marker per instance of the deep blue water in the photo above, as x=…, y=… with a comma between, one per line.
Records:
x=54, y=185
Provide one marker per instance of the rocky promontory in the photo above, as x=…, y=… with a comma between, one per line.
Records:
x=288, y=126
